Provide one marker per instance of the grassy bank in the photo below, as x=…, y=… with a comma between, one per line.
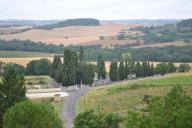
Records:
x=130, y=95
x=19, y=54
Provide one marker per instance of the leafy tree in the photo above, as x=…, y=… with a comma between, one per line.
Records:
x=12, y=90
x=81, y=54
x=121, y=71
x=151, y=70
x=138, y=70
x=184, y=68
x=29, y=115
x=88, y=74
x=171, y=67
x=111, y=121
x=113, y=73
x=161, y=68
x=144, y=69
x=39, y=67
x=172, y=111
x=18, y=68
x=89, y=119
x=67, y=56
x=1, y=67
x=101, y=68
x=59, y=73
x=43, y=67
x=69, y=72
x=55, y=65
x=148, y=68
x=31, y=67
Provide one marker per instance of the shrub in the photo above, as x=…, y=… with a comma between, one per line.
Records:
x=29, y=115
x=42, y=82
x=89, y=119
x=184, y=68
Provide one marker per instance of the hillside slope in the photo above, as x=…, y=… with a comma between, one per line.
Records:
x=74, y=35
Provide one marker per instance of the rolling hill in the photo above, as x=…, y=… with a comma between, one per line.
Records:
x=72, y=35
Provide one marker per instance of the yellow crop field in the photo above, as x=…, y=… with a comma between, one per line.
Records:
x=73, y=35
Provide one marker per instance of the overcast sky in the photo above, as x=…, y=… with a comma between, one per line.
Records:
x=101, y=9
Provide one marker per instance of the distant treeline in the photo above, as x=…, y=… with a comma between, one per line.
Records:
x=15, y=32
x=73, y=22
x=185, y=26
x=164, y=54
x=166, y=33
x=29, y=46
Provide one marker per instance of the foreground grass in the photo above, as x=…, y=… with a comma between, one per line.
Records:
x=127, y=96
x=19, y=54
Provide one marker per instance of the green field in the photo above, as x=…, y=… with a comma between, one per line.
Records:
x=127, y=96
x=19, y=54
x=37, y=80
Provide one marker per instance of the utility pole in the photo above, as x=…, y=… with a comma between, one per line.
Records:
x=83, y=94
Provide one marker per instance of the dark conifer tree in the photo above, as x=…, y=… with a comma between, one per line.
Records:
x=121, y=71
x=101, y=71
x=55, y=65
x=152, y=70
x=138, y=70
x=113, y=73
x=144, y=69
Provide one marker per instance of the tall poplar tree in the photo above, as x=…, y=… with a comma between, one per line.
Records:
x=55, y=65
x=138, y=70
x=121, y=71
x=113, y=73
x=101, y=71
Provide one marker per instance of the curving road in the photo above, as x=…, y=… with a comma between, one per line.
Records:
x=69, y=107
x=69, y=110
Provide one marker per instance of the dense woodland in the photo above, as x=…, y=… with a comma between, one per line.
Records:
x=29, y=46
x=73, y=22
x=165, y=54
x=166, y=33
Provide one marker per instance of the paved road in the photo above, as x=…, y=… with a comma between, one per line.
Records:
x=69, y=107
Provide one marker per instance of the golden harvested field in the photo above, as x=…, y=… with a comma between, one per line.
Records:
x=9, y=30
x=22, y=61
x=180, y=44
x=75, y=35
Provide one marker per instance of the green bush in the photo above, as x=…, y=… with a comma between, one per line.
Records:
x=42, y=82
x=30, y=83
x=90, y=119
x=184, y=68
x=172, y=111
x=29, y=115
